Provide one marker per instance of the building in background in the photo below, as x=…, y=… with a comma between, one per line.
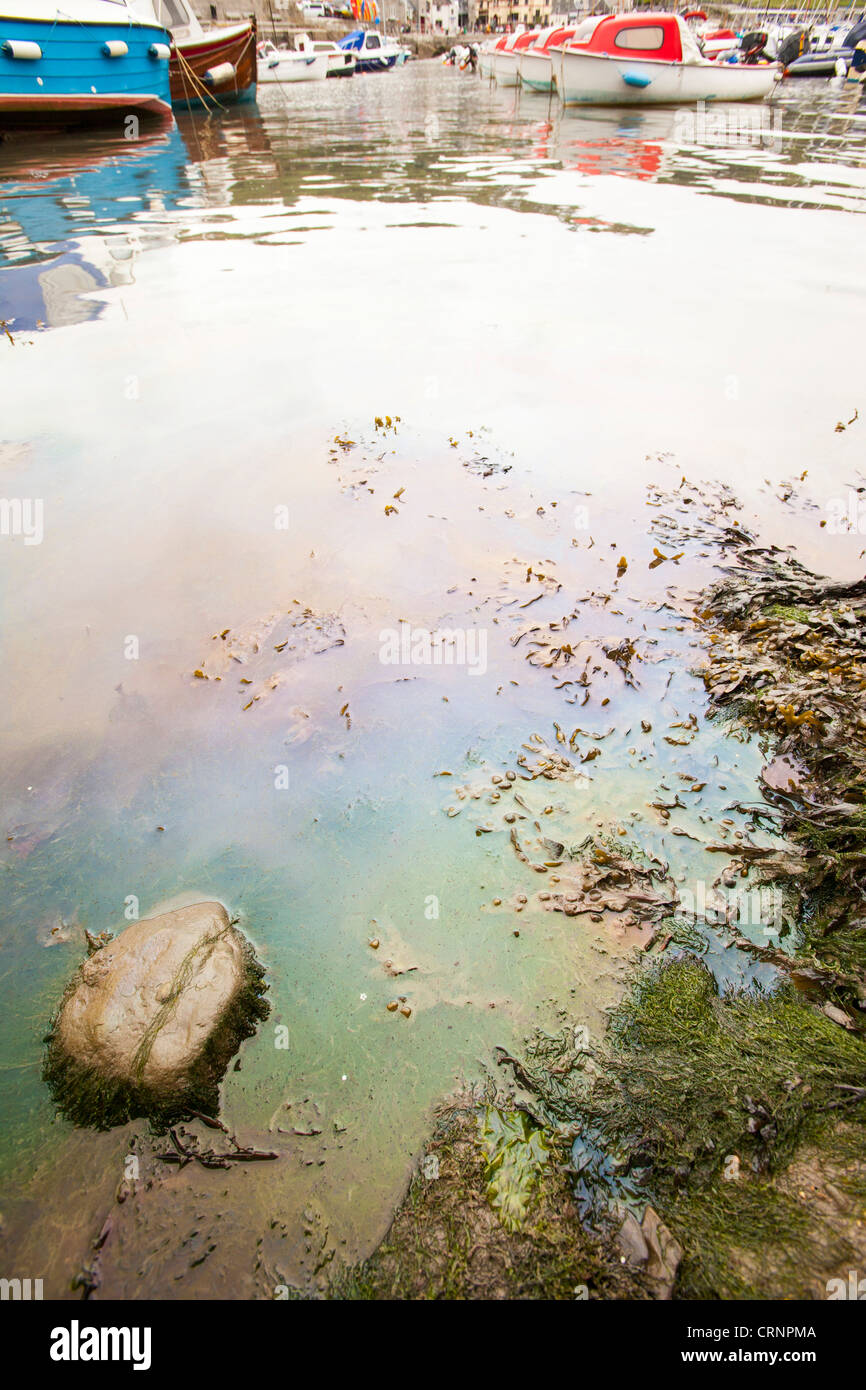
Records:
x=398, y=14
x=499, y=14
x=440, y=16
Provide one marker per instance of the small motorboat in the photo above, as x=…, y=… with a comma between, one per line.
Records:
x=80, y=61
x=639, y=59
x=290, y=64
x=373, y=52
x=341, y=63
x=535, y=63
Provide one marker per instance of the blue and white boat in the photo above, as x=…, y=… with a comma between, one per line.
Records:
x=79, y=61
x=373, y=52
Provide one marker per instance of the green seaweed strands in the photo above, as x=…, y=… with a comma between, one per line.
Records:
x=447, y=1241
x=787, y=657
x=86, y=1098
x=707, y=1101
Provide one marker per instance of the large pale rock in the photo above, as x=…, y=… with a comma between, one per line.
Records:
x=151, y=1020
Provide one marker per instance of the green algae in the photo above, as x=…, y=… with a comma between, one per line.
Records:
x=515, y=1150
x=738, y=1117
x=446, y=1241
x=705, y=1100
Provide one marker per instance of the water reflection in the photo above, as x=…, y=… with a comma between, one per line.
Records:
x=422, y=136
x=235, y=301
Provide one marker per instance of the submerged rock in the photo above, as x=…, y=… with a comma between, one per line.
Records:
x=150, y=1021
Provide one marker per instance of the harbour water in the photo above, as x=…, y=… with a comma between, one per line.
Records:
x=400, y=353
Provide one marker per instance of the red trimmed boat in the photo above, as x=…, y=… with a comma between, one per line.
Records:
x=208, y=67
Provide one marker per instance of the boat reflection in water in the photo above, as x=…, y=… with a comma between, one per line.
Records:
x=73, y=223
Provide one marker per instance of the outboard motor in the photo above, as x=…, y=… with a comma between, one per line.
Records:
x=794, y=47
x=753, y=46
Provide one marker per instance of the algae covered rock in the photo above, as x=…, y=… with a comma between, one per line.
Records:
x=150, y=1021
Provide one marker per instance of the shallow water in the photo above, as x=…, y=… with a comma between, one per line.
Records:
x=561, y=309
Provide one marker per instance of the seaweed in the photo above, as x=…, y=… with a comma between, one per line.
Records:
x=447, y=1241
x=787, y=657
x=700, y=1103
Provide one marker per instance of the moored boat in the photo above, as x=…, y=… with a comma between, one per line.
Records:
x=341, y=63
x=485, y=59
x=373, y=52
x=650, y=58
x=830, y=59
x=215, y=66
x=290, y=64
x=535, y=63
x=80, y=62
x=506, y=56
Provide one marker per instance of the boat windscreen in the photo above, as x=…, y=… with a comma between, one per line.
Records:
x=584, y=32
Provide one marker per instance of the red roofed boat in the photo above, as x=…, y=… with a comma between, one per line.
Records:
x=640, y=59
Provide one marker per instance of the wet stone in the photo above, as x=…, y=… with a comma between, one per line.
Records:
x=151, y=1019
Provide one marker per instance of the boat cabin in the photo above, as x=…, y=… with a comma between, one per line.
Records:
x=550, y=38
x=663, y=37
x=364, y=41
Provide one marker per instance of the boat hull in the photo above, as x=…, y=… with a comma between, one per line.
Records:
x=293, y=66
x=505, y=69
x=536, y=71
x=597, y=79
x=194, y=60
x=372, y=64
x=341, y=64
x=819, y=64
x=75, y=81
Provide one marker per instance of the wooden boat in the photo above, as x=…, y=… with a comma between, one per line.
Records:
x=209, y=67
x=78, y=62
x=641, y=59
